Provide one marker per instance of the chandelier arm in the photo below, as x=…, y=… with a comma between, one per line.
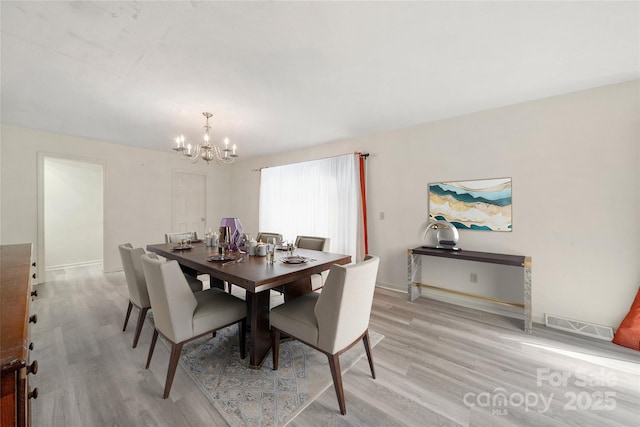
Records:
x=224, y=162
x=182, y=154
x=195, y=154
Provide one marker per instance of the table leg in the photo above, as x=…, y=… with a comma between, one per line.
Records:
x=188, y=270
x=259, y=338
x=297, y=288
x=214, y=282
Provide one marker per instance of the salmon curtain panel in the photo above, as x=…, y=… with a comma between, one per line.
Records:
x=317, y=198
x=363, y=229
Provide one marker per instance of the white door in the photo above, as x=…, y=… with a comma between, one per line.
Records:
x=189, y=202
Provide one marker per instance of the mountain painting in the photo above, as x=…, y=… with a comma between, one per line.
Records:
x=483, y=204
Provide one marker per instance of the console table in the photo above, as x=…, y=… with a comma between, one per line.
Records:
x=414, y=265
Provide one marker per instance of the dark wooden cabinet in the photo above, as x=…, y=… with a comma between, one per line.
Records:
x=15, y=320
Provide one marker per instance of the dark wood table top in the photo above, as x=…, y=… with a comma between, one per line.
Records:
x=504, y=259
x=253, y=273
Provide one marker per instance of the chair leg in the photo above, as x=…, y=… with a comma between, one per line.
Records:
x=152, y=347
x=126, y=319
x=173, y=364
x=367, y=347
x=242, y=337
x=141, y=317
x=275, y=346
x=334, y=364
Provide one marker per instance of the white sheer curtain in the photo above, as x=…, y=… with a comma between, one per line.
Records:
x=315, y=198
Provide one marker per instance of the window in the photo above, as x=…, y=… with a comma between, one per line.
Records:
x=315, y=198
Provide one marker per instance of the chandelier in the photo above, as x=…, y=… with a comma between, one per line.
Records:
x=205, y=150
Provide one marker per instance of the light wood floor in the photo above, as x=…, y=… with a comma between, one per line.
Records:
x=437, y=365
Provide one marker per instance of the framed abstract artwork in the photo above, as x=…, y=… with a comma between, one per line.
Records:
x=483, y=204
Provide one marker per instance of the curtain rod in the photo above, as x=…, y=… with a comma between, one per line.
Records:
x=363, y=155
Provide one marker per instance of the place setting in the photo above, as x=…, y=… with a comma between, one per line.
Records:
x=184, y=245
x=220, y=258
x=223, y=243
x=295, y=259
x=289, y=247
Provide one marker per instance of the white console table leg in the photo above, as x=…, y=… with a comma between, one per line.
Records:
x=414, y=271
x=528, y=322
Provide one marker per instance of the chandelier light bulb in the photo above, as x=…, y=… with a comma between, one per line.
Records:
x=180, y=141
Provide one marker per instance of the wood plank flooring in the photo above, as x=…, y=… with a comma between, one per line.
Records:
x=438, y=365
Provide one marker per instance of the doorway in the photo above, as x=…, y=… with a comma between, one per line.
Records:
x=70, y=214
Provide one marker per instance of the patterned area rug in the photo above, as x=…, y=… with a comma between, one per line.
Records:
x=262, y=397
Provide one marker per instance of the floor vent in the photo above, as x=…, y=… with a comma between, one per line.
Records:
x=579, y=327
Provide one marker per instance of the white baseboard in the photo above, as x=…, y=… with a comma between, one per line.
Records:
x=390, y=288
x=73, y=265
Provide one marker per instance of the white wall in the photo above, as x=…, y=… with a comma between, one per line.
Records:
x=73, y=225
x=574, y=160
x=137, y=201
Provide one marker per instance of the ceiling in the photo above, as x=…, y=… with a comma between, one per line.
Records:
x=284, y=75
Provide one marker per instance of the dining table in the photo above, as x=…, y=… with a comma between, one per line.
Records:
x=257, y=277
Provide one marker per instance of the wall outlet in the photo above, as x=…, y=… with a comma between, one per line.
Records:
x=381, y=215
x=473, y=277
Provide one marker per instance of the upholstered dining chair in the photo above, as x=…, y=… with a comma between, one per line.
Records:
x=331, y=321
x=138, y=294
x=265, y=237
x=313, y=242
x=177, y=237
x=191, y=274
x=181, y=315
x=317, y=244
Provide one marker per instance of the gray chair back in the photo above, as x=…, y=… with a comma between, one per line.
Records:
x=344, y=306
x=265, y=237
x=177, y=237
x=132, y=265
x=171, y=298
x=313, y=243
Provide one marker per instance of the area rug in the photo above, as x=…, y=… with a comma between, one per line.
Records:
x=262, y=397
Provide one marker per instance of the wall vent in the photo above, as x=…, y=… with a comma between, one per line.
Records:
x=579, y=327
